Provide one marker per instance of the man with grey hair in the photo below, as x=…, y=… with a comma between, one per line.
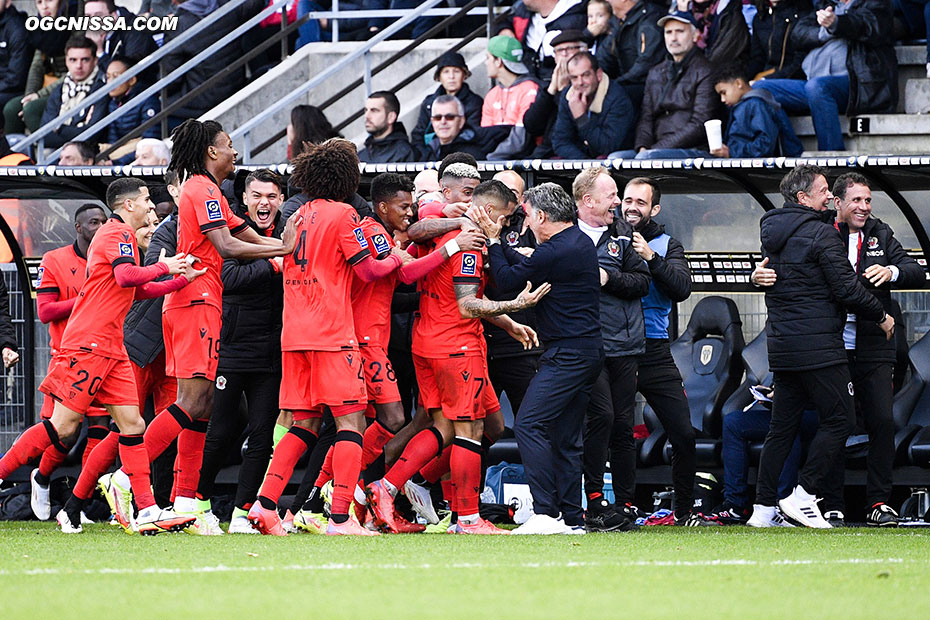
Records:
x=551, y=418
x=454, y=134
x=152, y=152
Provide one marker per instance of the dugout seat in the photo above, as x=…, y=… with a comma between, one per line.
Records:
x=912, y=408
x=756, y=363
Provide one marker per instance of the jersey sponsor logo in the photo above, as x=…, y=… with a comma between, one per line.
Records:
x=513, y=238
x=381, y=243
x=613, y=249
x=876, y=253
x=125, y=249
x=852, y=392
x=873, y=243
x=350, y=358
x=126, y=237
x=203, y=332
x=465, y=375
x=360, y=237
x=214, y=213
x=39, y=278
x=469, y=264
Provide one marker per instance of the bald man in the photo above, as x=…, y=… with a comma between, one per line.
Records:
x=514, y=181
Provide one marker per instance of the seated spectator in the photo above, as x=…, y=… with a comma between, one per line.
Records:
x=84, y=77
x=78, y=154
x=15, y=52
x=595, y=115
x=723, y=32
x=152, y=152
x=157, y=8
x=911, y=21
x=451, y=73
x=679, y=96
x=454, y=134
x=387, y=137
x=535, y=23
x=9, y=157
x=601, y=23
x=511, y=97
x=757, y=126
x=130, y=43
x=132, y=119
x=771, y=52
x=850, y=65
x=635, y=47
x=308, y=124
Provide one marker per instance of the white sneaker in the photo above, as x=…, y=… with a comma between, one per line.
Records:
x=422, y=501
x=204, y=524
x=241, y=525
x=575, y=530
x=85, y=519
x=542, y=524
x=41, y=504
x=65, y=525
x=802, y=507
x=767, y=516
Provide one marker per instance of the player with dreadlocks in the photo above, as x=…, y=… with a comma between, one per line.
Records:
x=208, y=231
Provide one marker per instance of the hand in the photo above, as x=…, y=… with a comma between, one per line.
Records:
x=527, y=252
x=878, y=274
x=723, y=151
x=560, y=79
x=10, y=357
x=404, y=257
x=525, y=334
x=491, y=229
x=454, y=209
x=30, y=97
x=603, y=275
x=177, y=264
x=762, y=275
x=279, y=263
x=887, y=326
x=641, y=247
x=289, y=236
x=826, y=17
x=528, y=298
x=470, y=240
x=192, y=274
x=683, y=5
x=577, y=103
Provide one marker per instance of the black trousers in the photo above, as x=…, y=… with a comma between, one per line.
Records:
x=873, y=399
x=406, y=375
x=831, y=392
x=549, y=429
x=512, y=375
x=609, y=427
x=226, y=426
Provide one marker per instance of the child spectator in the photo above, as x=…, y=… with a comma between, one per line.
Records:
x=758, y=126
x=601, y=23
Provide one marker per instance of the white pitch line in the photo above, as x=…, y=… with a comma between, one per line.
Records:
x=530, y=565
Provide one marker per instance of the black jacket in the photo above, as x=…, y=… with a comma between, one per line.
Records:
x=477, y=142
x=84, y=120
x=7, y=331
x=816, y=285
x=15, y=54
x=771, y=47
x=679, y=97
x=207, y=68
x=870, y=57
x=393, y=148
x=296, y=201
x=519, y=20
x=142, y=331
x=134, y=45
x=635, y=47
x=595, y=134
x=671, y=274
x=879, y=247
x=728, y=37
x=422, y=133
x=622, y=326
x=253, y=300
x=539, y=120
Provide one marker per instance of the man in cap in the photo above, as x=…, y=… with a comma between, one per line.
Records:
x=511, y=97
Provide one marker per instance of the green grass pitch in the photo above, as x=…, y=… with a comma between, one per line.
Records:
x=659, y=573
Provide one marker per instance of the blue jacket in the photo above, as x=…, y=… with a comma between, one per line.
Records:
x=607, y=127
x=132, y=119
x=759, y=127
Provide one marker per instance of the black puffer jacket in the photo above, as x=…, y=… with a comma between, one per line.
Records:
x=395, y=147
x=879, y=247
x=771, y=47
x=15, y=54
x=636, y=46
x=815, y=286
x=253, y=300
x=7, y=331
x=870, y=58
x=622, y=326
x=423, y=133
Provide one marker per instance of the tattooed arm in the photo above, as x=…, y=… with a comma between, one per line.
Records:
x=433, y=227
x=473, y=307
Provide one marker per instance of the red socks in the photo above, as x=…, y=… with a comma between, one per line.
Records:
x=164, y=429
x=135, y=461
x=438, y=467
x=376, y=437
x=420, y=450
x=286, y=454
x=33, y=442
x=326, y=472
x=466, y=475
x=96, y=463
x=347, y=461
x=95, y=434
x=448, y=493
x=51, y=459
x=190, y=458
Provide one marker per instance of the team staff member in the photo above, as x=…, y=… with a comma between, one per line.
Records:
x=658, y=379
x=624, y=281
x=806, y=313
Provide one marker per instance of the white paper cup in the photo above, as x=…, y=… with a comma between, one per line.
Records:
x=713, y=127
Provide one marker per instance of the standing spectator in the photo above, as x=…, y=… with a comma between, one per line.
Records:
x=624, y=281
x=78, y=154
x=601, y=23
x=308, y=125
x=772, y=54
x=84, y=77
x=807, y=307
x=454, y=134
x=535, y=23
x=451, y=73
x=15, y=52
x=550, y=422
x=511, y=97
x=387, y=138
x=10, y=350
x=850, y=66
x=679, y=96
x=134, y=44
x=635, y=47
x=595, y=115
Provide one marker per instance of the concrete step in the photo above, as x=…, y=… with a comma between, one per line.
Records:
x=874, y=134
x=917, y=96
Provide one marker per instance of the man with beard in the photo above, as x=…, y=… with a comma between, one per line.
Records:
x=387, y=139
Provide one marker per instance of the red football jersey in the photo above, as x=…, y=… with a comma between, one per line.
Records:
x=62, y=273
x=318, y=278
x=371, y=301
x=438, y=329
x=202, y=208
x=96, y=323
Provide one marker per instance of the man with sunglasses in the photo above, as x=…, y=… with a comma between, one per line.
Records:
x=454, y=134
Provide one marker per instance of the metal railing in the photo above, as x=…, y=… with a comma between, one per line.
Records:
x=336, y=16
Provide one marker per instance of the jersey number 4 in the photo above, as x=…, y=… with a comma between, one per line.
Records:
x=300, y=251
